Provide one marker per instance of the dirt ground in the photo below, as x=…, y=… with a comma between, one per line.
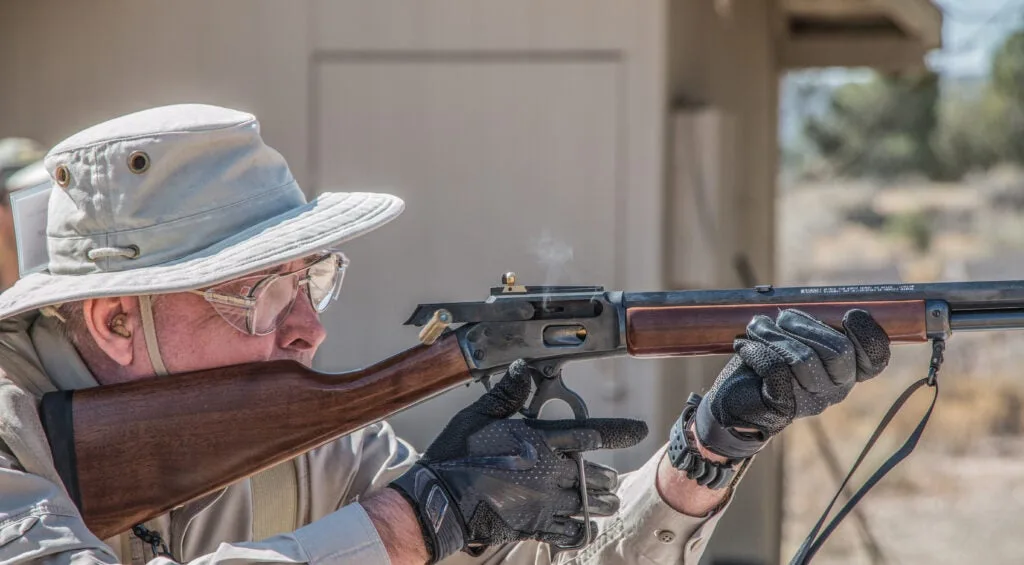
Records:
x=961, y=509
x=959, y=498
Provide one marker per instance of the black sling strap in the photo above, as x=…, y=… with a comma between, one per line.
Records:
x=814, y=541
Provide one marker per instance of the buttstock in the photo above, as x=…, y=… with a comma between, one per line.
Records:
x=661, y=331
x=182, y=437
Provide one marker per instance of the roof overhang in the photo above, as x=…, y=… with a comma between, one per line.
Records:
x=883, y=34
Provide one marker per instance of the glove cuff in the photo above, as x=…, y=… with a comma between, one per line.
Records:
x=436, y=511
x=721, y=440
x=685, y=456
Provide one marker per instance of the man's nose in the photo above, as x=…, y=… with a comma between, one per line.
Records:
x=301, y=330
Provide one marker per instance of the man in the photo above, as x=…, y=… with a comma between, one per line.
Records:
x=15, y=154
x=179, y=241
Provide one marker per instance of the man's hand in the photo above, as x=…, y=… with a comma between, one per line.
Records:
x=489, y=479
x=793, y=367
x=783, y=370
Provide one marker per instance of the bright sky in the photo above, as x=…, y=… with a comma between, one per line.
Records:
x=972, y=29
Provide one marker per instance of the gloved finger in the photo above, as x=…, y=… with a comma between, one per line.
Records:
x=508, y=396
x=762, y=363
x=805, y=367
x=870, y=342
x=568, y=436
x=834, y=349
x=566, y=532
x=599, y=477
x=601, y=503
x=567, y=502
x=779, y=388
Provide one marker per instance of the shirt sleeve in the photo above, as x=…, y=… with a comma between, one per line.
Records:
x=645, y=531
x=39, y=524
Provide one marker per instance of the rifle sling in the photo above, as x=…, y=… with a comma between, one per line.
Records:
x=813, y=542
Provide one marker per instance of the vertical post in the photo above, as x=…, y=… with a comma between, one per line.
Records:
x=705, y=231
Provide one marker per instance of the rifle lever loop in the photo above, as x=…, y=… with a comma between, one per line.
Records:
x=550, y=386
x=547, y=377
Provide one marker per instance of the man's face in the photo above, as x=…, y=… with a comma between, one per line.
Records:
x=193, y=336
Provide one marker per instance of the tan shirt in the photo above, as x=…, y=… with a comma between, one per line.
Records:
x=38, y=522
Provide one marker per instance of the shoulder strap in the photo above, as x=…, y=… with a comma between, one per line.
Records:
x=275, y=500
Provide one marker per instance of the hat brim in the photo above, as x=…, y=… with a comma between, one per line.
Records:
x=324, y=223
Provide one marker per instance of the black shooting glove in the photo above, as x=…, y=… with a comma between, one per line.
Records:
x=489, y=480
x=793, y=367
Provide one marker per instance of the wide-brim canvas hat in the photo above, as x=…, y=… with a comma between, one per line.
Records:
x=177, y=198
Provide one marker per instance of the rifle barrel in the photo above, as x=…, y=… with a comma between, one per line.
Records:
x=984, y=320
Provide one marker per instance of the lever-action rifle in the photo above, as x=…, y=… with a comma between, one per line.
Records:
x=133, y=451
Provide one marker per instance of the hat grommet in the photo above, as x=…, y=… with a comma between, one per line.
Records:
x=138, y=162
x=62, y=175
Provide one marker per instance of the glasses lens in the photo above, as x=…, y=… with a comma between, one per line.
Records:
x=274, y=300
x=325, y=278
x=259, y=304
x=229, y=301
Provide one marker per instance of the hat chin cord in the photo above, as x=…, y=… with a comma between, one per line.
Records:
x=149, y=330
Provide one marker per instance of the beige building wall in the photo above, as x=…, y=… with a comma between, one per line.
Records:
x=548, y=138
x=525, y=137
x=521, y=135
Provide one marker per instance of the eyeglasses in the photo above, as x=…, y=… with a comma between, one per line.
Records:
x=256, y=305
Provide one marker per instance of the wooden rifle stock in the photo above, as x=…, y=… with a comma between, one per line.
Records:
x=130, y=452
x=655, y=331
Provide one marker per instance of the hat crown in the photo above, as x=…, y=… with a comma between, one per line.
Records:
x=160, y=184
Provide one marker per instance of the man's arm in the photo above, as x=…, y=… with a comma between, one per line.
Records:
x=397, y=526
x=39, y=523
x=630, y=536
x=683, y=493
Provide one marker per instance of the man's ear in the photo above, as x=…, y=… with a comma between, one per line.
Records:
x=113, y=323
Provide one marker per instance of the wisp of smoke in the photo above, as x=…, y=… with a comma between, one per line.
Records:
x=554, y=255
